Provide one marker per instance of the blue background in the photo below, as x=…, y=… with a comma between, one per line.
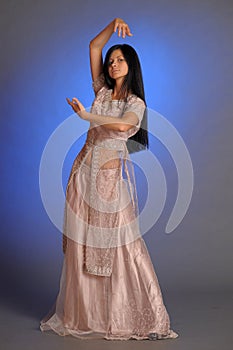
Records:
x=186, y=54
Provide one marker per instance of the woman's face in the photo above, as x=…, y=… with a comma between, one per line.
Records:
x=117, y=65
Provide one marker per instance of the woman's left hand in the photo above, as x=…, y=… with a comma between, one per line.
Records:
x=77, y=106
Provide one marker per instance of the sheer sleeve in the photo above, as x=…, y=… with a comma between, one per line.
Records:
x=136, y=105
x=98, y=83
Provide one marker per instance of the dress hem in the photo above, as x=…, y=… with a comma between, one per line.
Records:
x=65, y=331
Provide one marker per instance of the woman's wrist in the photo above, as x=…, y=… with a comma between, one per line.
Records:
x=84, y=114
x=102, y=38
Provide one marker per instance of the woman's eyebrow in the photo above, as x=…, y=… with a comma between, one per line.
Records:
x=116, y=57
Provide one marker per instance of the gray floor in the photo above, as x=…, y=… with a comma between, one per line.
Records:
x=204, y=321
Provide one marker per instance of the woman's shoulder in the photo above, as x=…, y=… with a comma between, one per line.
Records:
x=99, y=83
x=135, y=104
x=132, y=98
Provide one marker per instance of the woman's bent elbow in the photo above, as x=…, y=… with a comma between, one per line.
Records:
x=125, y=127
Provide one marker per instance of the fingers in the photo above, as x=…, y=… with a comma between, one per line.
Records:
x=70, y=102
x=123, y=32
x=75, y=100
x=74, y=104
x=78, y=104
x=123, y=28
x=119, y=30
x=115, y=26
x=128, y=32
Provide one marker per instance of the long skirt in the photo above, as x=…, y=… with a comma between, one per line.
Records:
x=128, y=304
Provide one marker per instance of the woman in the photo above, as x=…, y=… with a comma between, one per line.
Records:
x=108, y=286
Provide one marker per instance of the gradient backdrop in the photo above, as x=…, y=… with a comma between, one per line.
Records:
x=186, y=53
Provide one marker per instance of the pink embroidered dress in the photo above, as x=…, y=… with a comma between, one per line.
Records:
x=108, y=286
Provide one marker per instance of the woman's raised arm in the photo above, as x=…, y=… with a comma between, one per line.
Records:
x=96, y=45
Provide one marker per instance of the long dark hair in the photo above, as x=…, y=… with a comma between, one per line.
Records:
x=133, y=82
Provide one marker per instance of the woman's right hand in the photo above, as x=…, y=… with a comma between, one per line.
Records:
x=122, y=27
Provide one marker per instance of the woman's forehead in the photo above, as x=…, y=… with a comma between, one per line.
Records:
x=116, y=53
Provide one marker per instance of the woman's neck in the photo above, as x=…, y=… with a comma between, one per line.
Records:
x=117, y=93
